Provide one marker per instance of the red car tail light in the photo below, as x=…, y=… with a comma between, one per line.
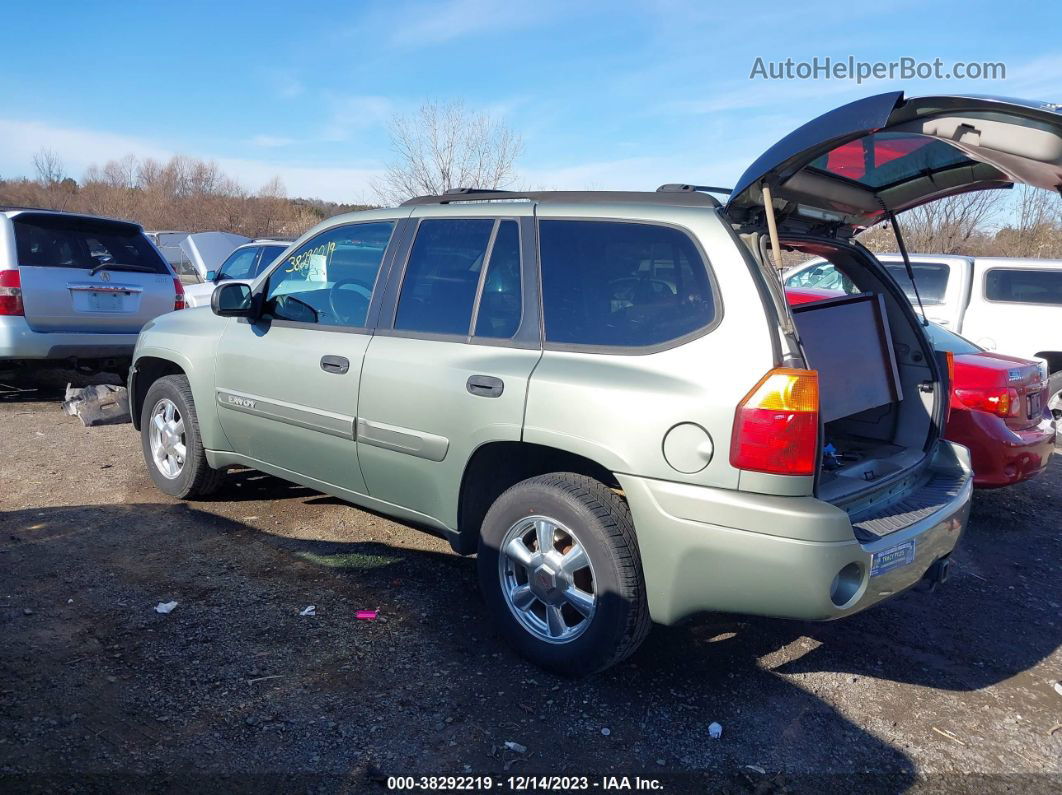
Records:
x=11, y=293
x=178, y=298
x=1001, y=401
x=776, y=425
x=950, y=358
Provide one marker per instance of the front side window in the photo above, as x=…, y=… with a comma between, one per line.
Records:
x=238, y=265
x=931, y=278
x=621, y=284
x=1024, y=286
x=329, y=279
x=442, y=275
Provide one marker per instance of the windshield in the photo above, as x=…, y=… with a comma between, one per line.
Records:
x=70, y=241
x=944, y=340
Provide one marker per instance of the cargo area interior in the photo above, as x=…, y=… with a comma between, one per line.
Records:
x=892, y=425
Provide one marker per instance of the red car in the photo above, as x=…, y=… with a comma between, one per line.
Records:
x=998, y=407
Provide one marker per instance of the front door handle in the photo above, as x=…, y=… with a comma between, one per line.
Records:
x=485, y=385
x=335, y=364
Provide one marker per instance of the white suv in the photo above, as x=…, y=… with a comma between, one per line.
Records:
x=77, y=288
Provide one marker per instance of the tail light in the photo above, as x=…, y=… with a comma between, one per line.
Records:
x=776, y=426
x=1001, y=401
x=949, y=357
x=11, y=293
x=178, y=298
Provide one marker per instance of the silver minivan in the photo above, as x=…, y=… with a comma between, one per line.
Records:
x=605, y=395
x=77, y=289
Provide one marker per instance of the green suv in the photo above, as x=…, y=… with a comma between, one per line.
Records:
x=604, y=395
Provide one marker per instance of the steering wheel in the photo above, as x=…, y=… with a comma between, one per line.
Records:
x=350, y=305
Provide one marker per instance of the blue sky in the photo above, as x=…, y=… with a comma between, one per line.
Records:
x=605, y=95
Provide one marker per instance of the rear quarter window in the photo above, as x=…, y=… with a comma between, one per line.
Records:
x=61, y=241
x=622, y=284
x=1024, y=286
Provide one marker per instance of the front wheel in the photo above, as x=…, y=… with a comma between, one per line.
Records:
x=561, y=575
x=173, y=447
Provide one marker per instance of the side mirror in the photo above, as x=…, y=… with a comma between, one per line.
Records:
x=233, y=300
x=212, y=276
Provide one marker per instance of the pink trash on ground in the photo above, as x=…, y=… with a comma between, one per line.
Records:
x=366, y=615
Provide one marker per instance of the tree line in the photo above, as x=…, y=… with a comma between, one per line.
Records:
x=183, y=193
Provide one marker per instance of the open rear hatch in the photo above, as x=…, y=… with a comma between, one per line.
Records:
x=882, y=402
x=849, y=166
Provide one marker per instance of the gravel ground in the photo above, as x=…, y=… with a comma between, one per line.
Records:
x=235, y=690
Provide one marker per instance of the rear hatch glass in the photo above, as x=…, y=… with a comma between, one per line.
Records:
x=89, y=274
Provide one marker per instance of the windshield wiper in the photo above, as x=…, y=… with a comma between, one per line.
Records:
x=121, y=266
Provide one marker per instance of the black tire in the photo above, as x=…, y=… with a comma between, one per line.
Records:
x=601, y=521
x=1054, y=386
x=196, y=478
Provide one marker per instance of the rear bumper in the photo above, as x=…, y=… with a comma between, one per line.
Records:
x=19, y=341
x=791, y=557
x=1001, y=456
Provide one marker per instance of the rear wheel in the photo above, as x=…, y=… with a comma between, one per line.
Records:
x=173, y=447
x=561, y=574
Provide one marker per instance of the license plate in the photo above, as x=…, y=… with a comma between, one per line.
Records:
x=1036, y=405
x=892, y=558
x=105, y=302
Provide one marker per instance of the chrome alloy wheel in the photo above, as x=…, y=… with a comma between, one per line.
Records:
x=168, y=448
x=547, y=579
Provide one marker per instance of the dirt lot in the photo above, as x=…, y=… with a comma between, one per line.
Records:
x=235, y=690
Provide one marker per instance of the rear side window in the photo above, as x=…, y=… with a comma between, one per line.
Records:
x=442, y=275
x=62, y=241
x=1024, y=286
x=621, y=284
x=931, y=278
x=501, y=300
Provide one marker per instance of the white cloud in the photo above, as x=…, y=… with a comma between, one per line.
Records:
x=77, y=148
x=286, y=84
x=438, y=22
x=351, y=113
x=270, y=141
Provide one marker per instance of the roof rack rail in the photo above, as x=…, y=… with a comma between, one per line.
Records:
x=676, y=187
x=681, y=198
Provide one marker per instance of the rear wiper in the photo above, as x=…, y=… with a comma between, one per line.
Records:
x=121, y=266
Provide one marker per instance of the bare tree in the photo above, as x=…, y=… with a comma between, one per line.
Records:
x=49, y=167
x=1036, y=225
x=954, y=225
x=446, y=145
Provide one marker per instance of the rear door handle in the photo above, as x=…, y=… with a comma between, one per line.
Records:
x=335, y=364
x=485, y=385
